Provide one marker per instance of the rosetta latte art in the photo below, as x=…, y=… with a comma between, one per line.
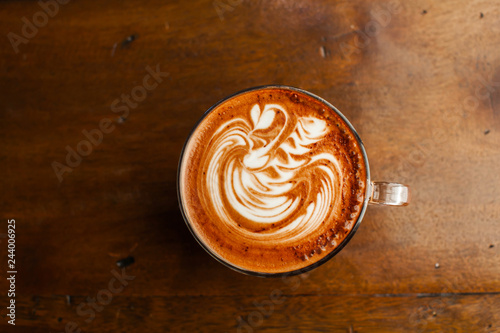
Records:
x=267, y=180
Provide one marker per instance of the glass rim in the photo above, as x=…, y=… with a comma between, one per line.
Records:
x=314, y=264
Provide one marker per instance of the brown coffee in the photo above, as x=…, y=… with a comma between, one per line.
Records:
x=272, y=180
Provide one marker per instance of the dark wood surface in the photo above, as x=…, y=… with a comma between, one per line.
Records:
x=423, y=90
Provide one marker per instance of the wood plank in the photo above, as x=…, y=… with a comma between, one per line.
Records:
x=266, y=313
x=119, y=197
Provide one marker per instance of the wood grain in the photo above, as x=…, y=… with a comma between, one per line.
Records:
x=423, y=90
x=304, y=313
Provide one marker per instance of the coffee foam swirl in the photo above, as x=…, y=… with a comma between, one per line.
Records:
x=265, y=179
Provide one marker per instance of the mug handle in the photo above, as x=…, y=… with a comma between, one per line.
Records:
x=389, y=194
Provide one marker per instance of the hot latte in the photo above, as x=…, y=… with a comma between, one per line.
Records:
x=272, y=180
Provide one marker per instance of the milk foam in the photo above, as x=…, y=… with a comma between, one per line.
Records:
x=269, y=169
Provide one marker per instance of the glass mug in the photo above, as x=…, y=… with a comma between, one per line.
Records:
x=378, y=193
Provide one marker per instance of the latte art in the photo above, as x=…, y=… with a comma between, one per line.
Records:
x=272, y=180
x=275, y=185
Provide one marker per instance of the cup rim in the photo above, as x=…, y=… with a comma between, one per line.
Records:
x=312, y=265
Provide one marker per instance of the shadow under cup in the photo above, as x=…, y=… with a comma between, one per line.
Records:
x=368, y=189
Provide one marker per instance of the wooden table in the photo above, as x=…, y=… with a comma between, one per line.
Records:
x=419, y=80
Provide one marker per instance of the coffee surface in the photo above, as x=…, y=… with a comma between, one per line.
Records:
x=272, y=180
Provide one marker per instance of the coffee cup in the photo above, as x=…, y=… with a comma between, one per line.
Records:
x=275, y=181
